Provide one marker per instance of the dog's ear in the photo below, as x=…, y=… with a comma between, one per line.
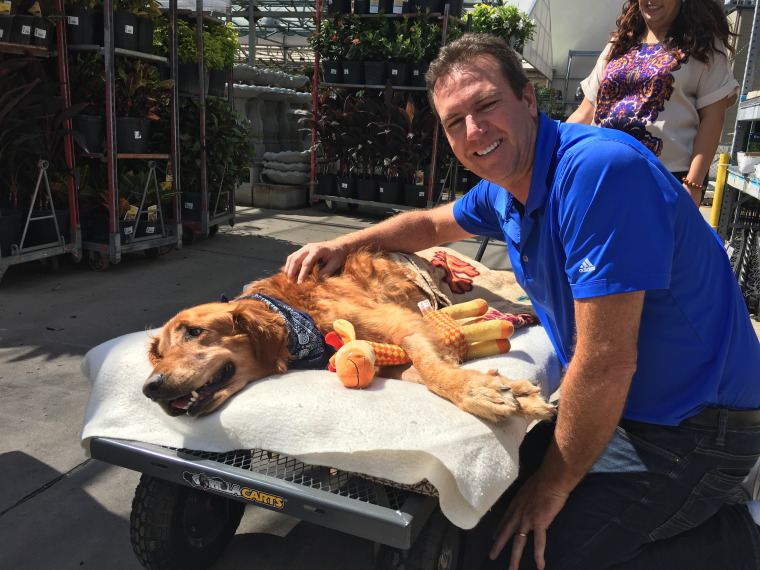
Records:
x=266, y=332
x=153, y=355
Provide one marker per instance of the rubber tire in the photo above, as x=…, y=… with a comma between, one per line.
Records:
x=438, y=547
x=212, y=230
x=164, y=516
x=331, y=205
x=352, y=207
x=188, y=236
x=49, y=264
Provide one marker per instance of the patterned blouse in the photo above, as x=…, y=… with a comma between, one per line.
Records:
x=654, y=97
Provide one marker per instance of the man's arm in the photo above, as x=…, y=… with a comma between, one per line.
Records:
x=594, y=391
x=408, y=232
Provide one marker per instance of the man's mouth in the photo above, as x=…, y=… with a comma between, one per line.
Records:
x=192, y=402
x=488, y=149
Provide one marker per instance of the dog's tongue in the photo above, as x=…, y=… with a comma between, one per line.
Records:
x=181, y=403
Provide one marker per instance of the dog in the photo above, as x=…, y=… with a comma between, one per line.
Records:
x=205, y=354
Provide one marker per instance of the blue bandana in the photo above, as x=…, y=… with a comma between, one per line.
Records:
x=306, y=344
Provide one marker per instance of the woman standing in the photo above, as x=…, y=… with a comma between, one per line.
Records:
x=665, y=79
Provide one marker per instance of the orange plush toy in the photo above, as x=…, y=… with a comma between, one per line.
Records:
x=483, y=332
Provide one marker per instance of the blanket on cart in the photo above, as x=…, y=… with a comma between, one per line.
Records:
x=392, y=430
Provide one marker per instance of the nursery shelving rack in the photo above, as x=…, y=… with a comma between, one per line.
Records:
x=47, y=253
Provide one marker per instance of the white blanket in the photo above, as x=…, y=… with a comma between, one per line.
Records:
x=394, y=430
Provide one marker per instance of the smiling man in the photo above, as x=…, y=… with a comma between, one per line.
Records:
x=659, y=417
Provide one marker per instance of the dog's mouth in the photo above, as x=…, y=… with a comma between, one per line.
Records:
x=192, y=403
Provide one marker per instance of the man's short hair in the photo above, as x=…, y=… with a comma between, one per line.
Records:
x=468, y=48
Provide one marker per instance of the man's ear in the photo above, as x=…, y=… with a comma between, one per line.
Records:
x=529, y=96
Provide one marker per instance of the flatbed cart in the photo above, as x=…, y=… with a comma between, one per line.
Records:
x=189, y=503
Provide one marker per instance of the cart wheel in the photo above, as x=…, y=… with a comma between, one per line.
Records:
x=331, y=205
x=212, y=230
x=98, y=261
x=231, y=222
x=173, y=526
x=438, y=547
x=152, y=252
x=49, y=264
x=188, y=236
x=352, y=207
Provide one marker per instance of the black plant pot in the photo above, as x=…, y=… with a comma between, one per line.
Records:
x=346, y=187
x=416, y=196
x=93, y=131
x=367, y=189
x=217, y=81
x=42, y=232
x=409, y=7
x=435, y=6
x=327, y=184
x=148, y=228
x=375, y=72
x=11, y=223
x=84, y=26
x=353, y=72
x=361, y=6
x=21, y=31
x=43, y=33
x=191, y=203
x=188, y=80
x=145, y=28
x=417, y=72
x=398, y=73
x=132, y=135
x=338, y=6
x=391, y=192
x=125, y=30
x=333, y=71
x=6, y=23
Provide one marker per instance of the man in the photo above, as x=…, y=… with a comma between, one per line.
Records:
x=658, y=420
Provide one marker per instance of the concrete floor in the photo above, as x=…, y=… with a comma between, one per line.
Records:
x=57, y=508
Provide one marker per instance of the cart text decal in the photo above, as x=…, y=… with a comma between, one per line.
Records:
x=221, y=486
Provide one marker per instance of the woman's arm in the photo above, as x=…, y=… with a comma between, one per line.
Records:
x=583, y=114
x=706, y=142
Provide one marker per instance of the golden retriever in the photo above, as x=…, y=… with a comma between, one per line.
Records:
x=205, y=354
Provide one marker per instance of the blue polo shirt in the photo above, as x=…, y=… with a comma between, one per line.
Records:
x=603, y=217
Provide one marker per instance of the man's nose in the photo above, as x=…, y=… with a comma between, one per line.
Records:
x=474, y=127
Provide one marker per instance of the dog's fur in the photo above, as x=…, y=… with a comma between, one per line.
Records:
x=217, y=348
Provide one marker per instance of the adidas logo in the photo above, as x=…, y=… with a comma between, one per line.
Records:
x=586, y=266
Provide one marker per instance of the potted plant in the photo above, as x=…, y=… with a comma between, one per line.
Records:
x=220, y=45
x=88, y=85
x=84, y=22
x=425, y=42
x=506, y=22
x=398, y=50
x=325, y=123
x=366, y=44
x=330, y=43
x=134, y=22
x=139, y=94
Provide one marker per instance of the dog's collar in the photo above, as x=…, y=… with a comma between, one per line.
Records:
x=306, y=344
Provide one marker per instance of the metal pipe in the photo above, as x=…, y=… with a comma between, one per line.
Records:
x=720, y=184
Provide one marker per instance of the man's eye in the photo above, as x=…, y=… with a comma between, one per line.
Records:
x=194, y=331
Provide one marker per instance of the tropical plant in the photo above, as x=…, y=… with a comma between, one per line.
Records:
x=88, y=82
x=220, y=45
x=326, y=122
x=149, y=9
x=139, y=91
x=368, y=39
x=229, y=149
x=506, y=22
x=425, y=38
x=330, y=42
x=397, y=43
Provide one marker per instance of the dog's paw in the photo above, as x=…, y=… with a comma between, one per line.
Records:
x=532, y=404
x=495, y=398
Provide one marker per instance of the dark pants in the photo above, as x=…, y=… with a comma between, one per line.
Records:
x=658, y=497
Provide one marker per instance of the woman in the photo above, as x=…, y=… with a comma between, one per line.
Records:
x=665, y=79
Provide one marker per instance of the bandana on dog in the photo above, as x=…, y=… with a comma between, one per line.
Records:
x=307, y=345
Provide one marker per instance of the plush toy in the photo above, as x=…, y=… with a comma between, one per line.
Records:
x=471, y=328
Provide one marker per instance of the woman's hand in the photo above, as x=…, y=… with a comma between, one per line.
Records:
x=299, y=264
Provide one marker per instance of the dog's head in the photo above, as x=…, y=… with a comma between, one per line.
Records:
x=205, y=354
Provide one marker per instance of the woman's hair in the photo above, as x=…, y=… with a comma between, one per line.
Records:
x=695, y=29
x=470, y=47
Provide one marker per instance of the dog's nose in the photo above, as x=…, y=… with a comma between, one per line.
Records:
x=153, y=386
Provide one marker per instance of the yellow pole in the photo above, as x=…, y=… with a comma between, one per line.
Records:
x=720, y=183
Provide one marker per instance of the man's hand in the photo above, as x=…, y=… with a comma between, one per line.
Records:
x=532, y=510
x=299, y=264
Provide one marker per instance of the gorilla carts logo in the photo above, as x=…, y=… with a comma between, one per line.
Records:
x=219, y=485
